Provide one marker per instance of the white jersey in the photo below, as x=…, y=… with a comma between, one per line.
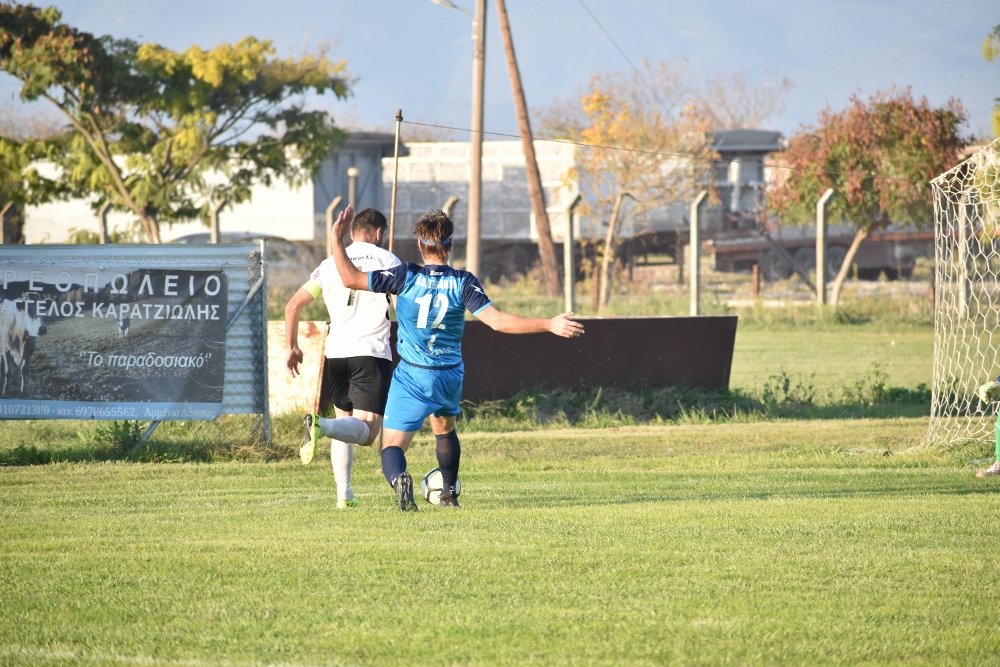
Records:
x=359, y=320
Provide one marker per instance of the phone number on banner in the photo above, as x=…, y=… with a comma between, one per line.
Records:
x=23, y=410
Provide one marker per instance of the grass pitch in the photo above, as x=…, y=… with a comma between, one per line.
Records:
x=808, y=542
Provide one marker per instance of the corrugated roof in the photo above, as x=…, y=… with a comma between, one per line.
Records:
x=384, y=142
x=744, y=141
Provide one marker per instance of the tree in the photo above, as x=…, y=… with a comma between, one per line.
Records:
x=738, y=100
x=991, y=50
x=649, y=127
x=21, y=183
x=22, y=144
x=642, y=138
x=724, y=101
x=167, y=135
x=878, y=155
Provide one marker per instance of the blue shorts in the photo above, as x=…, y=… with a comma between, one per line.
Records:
x=416, y=392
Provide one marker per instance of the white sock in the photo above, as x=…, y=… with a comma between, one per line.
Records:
x=347, y=429
x=342, y=458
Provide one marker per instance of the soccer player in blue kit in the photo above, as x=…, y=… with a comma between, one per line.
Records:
x=430, y=313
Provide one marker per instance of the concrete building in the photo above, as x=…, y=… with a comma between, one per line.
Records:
x=428, y=175
x=432, y=173
x=740, y=175
x=279, y=210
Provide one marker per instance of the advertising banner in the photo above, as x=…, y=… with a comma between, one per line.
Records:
x=85, y=342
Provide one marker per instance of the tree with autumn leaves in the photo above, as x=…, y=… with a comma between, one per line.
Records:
x=644, y=142
x=167, y=135
x=878, y=155
x=637, y=136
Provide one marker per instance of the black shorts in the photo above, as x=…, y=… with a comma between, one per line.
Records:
x=358, y=383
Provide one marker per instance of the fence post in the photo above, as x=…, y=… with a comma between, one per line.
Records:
x=216, y=209
x=964, y=274
x=7, y=208
x=821, y=209
x=352, y=186
x=694, y=252
x=102, y=223
x=569, y=268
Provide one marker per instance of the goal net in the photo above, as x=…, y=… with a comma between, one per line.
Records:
x=967, y=298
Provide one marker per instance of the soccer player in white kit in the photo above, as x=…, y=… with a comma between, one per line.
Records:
x=358, y=357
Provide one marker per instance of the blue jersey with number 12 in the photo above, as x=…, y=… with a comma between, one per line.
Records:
x=430, y=310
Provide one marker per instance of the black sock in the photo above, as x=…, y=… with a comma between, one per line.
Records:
x=393, y=463
x=449, y=453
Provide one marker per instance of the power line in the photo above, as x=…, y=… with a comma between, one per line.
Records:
x=612, y=40
x=570, y=142
x=629, y=149
x=621, y=52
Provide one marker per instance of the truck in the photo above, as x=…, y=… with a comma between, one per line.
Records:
x=890, y=252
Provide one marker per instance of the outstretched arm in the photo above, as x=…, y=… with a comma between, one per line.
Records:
x=561, y=325
x=349, y=274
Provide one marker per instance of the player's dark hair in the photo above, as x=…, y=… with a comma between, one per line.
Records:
x=434, y=228
x=369, y=219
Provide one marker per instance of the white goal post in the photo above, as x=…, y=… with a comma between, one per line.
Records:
x=967, y=298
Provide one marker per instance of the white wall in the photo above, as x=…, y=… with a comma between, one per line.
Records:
x=434, y=171
x=278, y=210
x=54, y=222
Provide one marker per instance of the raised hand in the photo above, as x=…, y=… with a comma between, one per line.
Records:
x=343, y=222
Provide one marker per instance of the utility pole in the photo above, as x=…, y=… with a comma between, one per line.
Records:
x=546, y=249
x=473, y=233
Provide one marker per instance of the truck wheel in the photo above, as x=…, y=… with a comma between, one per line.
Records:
x=834, y=258
x=774, y=267
x=805, y=259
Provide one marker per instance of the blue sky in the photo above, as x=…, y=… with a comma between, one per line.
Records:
x=417, y=56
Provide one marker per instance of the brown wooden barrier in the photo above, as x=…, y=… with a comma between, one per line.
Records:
x=634, y=352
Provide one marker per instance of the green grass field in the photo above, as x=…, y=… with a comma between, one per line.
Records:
x=904, y=355
x=764, y=543
x=804, y=524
